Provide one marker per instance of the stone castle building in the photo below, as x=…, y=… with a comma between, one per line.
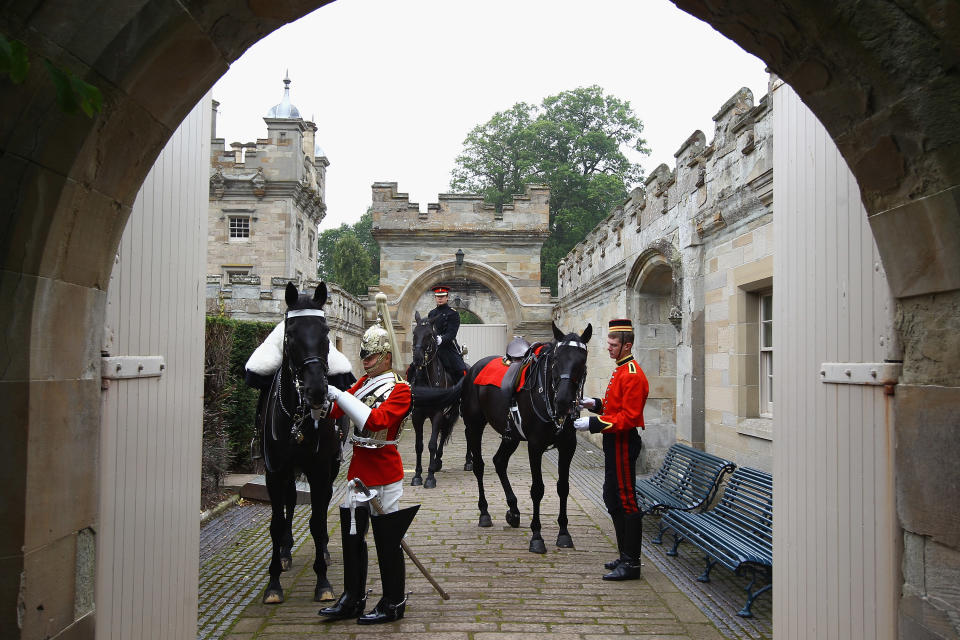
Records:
x=267, y=200
x=689, y=258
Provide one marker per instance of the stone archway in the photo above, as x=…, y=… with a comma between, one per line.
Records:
x=653, y=292
x=880, y=75
x=477, y=271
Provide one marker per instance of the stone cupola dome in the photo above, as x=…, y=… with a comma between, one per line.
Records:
x=285, y=109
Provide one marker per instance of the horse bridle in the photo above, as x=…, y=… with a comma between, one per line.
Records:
x=430, y=354
x=302, y=409
x=553, y=412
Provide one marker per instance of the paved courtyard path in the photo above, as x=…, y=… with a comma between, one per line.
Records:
x=498, y=589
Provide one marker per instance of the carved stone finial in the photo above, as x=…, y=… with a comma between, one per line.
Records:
x=259, y=183
x=217, y=182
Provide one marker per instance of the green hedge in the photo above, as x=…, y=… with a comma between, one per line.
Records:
x=229, y=404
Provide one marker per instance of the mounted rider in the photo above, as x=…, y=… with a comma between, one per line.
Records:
x=446, y=322
x=377, y=405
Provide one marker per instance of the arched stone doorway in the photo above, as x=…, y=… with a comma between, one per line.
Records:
x=652, y=295
x=880, y=75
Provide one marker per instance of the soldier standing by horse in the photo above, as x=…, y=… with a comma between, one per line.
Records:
x=620, y=414
x=377, y=405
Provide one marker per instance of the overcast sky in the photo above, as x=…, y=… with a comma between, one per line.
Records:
x=394, y=86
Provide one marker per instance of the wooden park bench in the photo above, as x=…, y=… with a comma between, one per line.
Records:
x=687, y=480
x=737, y=533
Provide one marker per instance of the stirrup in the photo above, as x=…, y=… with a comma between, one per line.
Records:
x=515, y=418
x=256, y=453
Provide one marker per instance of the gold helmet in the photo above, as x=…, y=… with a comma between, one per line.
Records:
x=375, y=340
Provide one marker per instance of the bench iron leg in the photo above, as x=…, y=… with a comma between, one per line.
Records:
x=677, y=539
x=705, y=576
x=660, y=530
x=751, y=596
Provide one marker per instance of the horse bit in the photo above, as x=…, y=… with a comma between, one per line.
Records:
x=555, y=380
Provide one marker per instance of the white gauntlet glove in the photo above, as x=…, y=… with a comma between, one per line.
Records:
x=351, y=405
x=588, y=403
x=439, y=340
x=581, y=424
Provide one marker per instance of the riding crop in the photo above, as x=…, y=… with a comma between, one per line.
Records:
x=358, y=485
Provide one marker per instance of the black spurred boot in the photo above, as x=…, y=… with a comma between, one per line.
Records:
x=618, y=529
x=354, y=598
x=629, y=567
x=388, y=531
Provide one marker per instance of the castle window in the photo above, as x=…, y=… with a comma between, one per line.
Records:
x=299, y=235
x=239, y=227
x=766, y=354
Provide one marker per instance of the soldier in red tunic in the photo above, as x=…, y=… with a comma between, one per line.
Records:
x=620, y=414
x=377, y=405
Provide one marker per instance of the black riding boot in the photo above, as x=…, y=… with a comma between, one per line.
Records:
x=618, y=529
x=629, y=566
x=388, y=531
x=354, y=597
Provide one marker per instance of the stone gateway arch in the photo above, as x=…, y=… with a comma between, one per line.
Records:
x=881, y=76
x=490, y=259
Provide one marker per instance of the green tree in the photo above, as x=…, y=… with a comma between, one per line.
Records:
x=326, y=243
x=576, y=142
x=497, y=159
x=351, y=264
x=363, y=229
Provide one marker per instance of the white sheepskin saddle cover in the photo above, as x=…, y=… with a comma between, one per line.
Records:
x=266, y=359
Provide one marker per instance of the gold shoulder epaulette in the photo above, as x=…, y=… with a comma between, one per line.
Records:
x=632, y=367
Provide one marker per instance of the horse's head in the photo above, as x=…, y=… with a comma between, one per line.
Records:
x=424, y=340
x=307, y=344
x=569, y=367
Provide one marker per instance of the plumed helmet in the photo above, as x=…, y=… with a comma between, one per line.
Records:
x=375, y=340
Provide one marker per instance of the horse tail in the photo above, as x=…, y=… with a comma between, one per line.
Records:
x=430, y=398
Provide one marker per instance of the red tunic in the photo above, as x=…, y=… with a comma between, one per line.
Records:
x=625, y=397
x=383, y=465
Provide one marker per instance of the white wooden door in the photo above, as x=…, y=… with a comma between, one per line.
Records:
x=482, y=340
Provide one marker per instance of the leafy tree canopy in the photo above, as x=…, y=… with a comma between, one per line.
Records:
x=350, y=264
x=362, y=231
x=576, y=142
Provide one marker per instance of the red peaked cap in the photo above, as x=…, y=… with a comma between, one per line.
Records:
x=441, y=291
x=621, y=324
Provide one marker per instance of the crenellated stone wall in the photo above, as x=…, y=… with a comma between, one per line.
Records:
x=489, y=259
x=685, y=257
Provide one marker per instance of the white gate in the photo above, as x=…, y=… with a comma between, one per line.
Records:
x=151, y=425
x=482, y=340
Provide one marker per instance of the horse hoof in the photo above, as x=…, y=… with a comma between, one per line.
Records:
x=513, y=519
x=416, y=482
x=485, y=521
x=431, y=483
x=564, y=541
x=323, y=594
x=468, y=466
x=273, y=596
x=537, y=546
x=285, y=564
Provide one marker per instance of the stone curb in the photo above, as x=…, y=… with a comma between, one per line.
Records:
x=220, y=508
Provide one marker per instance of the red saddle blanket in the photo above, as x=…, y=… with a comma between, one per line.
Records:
x=496, y=369
x=492, y=373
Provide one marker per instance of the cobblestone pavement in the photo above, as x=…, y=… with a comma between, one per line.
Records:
x=498, y=589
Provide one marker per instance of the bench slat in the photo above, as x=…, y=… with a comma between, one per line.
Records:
x=686, y=480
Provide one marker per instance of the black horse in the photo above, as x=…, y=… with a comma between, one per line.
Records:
x=428, y=371
x=547, y=405
x=294, y=441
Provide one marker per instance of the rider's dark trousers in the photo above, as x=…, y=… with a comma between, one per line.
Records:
x=452, y=362
x=620, y=452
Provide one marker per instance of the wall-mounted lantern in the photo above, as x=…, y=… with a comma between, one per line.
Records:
x=459, y=255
